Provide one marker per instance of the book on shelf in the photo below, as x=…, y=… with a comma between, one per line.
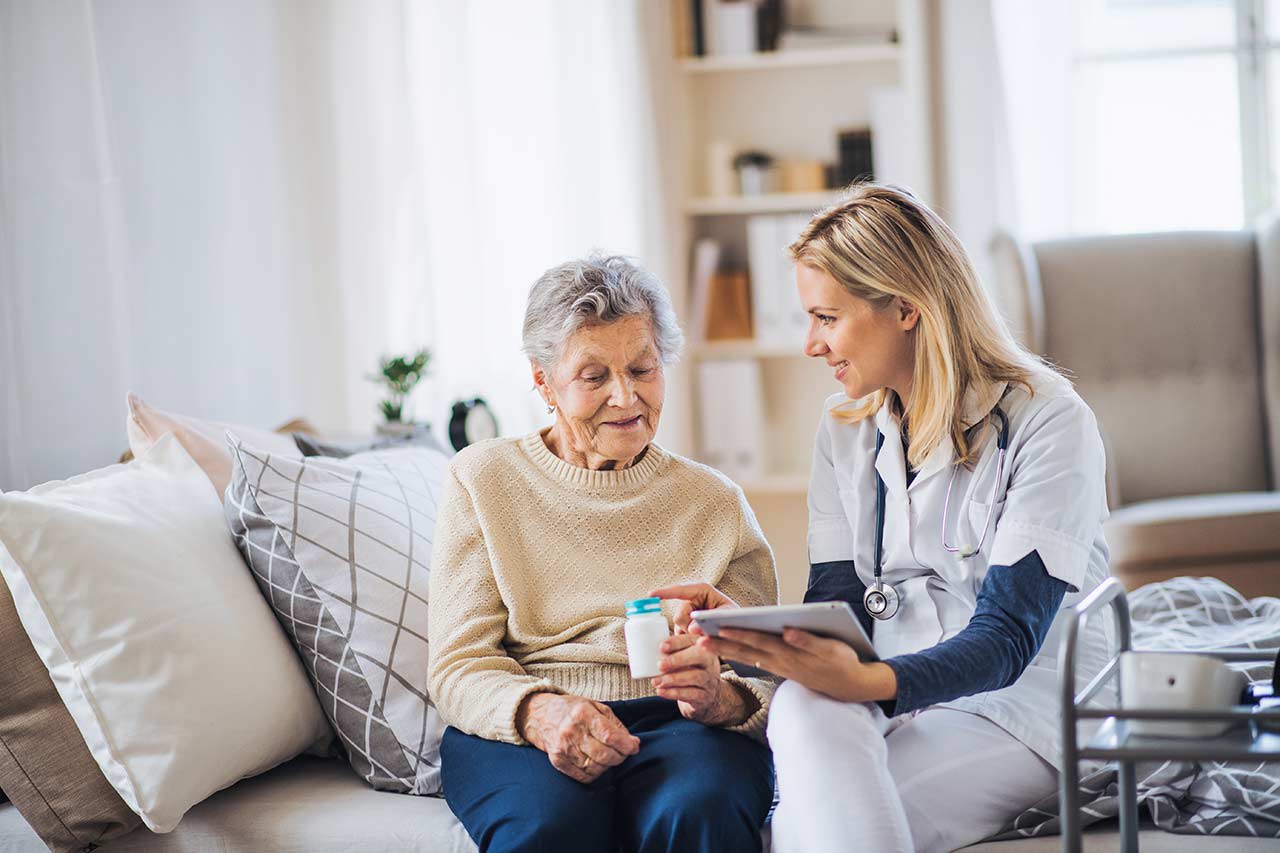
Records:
x=770, y=20
x=729, y=307
x=856, y=156
x=726, y=27
x=731, y=422
x=778, y=318
x=729, y=27
x=897, y=140
x=683, y=39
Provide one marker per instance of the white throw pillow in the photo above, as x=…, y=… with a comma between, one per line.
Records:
x=174, y=670
x=342, y=549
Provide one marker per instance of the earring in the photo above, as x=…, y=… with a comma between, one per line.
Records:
x=550, y=409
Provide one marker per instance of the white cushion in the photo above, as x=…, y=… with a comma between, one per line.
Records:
x=174, y=670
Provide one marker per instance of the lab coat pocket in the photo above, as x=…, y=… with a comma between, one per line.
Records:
x=981, y=517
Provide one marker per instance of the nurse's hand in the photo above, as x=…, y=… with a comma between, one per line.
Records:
x=691, y=597
x=691, y=676
x=827, y=666
x=582, y=738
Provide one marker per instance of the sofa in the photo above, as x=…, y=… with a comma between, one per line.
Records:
x=315, y=806
x=1174, y=340
x=307, y=802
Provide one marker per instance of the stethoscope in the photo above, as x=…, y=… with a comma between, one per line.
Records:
x=882, y=601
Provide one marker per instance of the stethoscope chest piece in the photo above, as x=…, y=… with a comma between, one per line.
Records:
x=881, y=600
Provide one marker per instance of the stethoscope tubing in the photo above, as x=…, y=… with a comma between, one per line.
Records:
x=1002, y=448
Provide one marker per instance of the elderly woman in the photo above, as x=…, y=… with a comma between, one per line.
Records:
x=539, y=542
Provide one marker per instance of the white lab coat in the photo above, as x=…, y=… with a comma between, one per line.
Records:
x=1052, y=500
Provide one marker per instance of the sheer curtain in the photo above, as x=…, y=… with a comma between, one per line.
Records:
x=538, y=143
x=1035, y=43
x=234, y=208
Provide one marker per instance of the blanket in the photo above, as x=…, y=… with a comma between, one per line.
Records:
x=1207, y=798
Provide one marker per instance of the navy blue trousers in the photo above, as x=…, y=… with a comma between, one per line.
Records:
x=689, y=788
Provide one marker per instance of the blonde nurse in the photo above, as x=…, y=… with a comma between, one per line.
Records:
x=956, y=502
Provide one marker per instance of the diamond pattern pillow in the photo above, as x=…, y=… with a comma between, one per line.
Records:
x=341, y=548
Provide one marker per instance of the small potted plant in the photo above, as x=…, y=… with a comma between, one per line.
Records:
x=398, y=375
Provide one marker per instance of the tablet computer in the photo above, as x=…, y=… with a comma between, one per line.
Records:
x=834, y=619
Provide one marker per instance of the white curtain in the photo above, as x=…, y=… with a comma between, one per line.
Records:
x=538, y=143
x=1035, y=42
x=233, y=208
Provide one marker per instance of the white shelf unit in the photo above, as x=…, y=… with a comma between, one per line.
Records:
x=848, y=55
x=767, y=203
x=744, y=348
x=791, y=105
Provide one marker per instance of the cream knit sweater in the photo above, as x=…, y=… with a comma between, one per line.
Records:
x=534, y=558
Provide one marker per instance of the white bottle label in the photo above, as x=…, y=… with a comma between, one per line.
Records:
x=645, y=634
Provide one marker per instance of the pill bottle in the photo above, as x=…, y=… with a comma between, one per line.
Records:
x=646, y=629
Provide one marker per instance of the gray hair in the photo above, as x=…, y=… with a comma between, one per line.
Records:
x=595, y=290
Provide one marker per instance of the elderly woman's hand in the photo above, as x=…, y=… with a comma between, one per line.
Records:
x=691, y=676
x=582, y=738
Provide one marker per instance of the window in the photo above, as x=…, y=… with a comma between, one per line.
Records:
x=1171, y=112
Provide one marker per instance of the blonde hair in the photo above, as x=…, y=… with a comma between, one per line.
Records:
x=881, y=242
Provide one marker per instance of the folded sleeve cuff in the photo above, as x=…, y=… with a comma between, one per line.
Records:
x=762, y=689
x=830, y=541
x=506, y=706
x=1064, y=557
x=907, y=678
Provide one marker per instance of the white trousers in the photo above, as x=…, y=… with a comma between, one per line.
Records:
x=851, y=779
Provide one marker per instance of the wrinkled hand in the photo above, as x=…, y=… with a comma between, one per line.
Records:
x=824, y=665
x=691, y=597
x=581, y=738
x=691, y=676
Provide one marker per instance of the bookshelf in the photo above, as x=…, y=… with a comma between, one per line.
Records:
x=768, y=203
x=743, y=348
x=792, y=104
x=849, y=55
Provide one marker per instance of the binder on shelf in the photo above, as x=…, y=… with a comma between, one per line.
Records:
x=897, y=147
x=731, y=433
x=796, y=319
x=764, y=256
x=729, y=27
x=777, y=315
x=706, y=260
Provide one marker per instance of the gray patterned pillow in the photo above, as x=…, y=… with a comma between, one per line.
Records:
x=341, y=548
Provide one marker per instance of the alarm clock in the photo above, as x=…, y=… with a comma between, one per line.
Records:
x=470, y=422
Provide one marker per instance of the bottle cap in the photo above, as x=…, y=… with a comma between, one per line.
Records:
x=644, y=605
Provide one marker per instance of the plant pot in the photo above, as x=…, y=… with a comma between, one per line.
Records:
x=397, y=429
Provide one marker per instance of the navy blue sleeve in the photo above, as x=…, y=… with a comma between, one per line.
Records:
x=838, y=581
x=1016, y=606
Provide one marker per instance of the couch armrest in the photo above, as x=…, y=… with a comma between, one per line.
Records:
x=1235, y=537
